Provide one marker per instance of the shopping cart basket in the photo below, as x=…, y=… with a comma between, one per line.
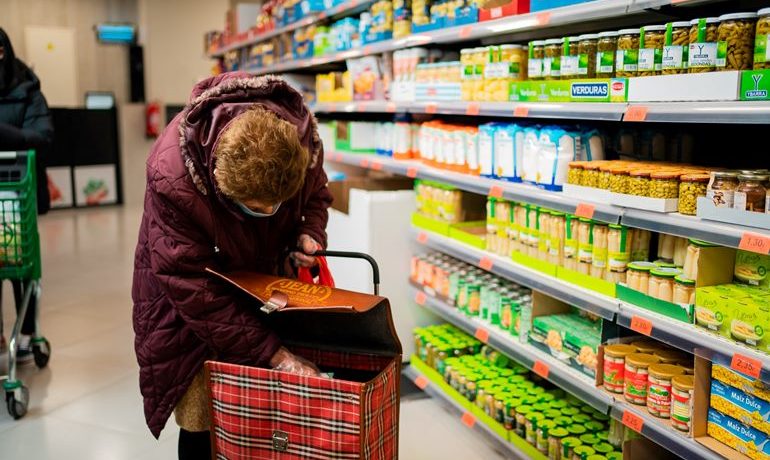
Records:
x=20, y=262
x=263, y=413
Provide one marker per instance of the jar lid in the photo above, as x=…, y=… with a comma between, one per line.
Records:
x=701, y=243
x=752, y=177
x=628, y=31
x=576, y=430
x=668, y=356
x=537, y=42
x=554, y=41
x=584, y=450
x=708, y=21
x=684, y=382
x=524, y=410
x=619, y=170
x=563, y=420
x=616, y=227
x=641, y=266
x=534, y=416
x=589, y=439
x=581, y=418
x=570, y=411
x=466, y=50
x=615, y=34
x=571, y=441
x=732, y=16
x=558, y=432
x=596, y=457
x=619, y=350
x=695, y=178
x=680, y=24
x=641, y=173
x=577, y=164
x=552, y=414
x=547, y=424
x=604, y=448
x=614, y=455
x=594, y=426
x=665, y=371
x=763, y=12
x=588, y=37
x=660, y=263
x=592, y=165
x=647, y=346
x=665, y=272
x=556, y=213
x=642, y=359
x=655, y=28
x=665, y=175
x=574, y=38
x=685, y=281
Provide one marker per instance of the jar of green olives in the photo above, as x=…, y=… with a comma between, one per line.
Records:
x=664, y=184
x=691, y=186
x=605, y=175
x=619, y=179
x=535, y=60
x=639, y=182
x=552, y=59
x=574, y=171
x=587, y=49
x=590, y=176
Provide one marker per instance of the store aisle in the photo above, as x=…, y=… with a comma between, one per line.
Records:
x=86, y=404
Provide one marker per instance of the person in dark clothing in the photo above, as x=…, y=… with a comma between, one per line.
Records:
x=25, y=123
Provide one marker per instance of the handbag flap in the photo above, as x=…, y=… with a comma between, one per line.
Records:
x=320, y=316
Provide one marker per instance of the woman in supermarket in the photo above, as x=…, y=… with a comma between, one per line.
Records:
x=235, y=182
x=25, y=123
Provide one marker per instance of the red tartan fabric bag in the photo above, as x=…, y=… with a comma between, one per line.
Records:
x=265, y=414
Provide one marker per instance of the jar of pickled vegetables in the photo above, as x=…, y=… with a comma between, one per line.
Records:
x=480, y=59
x=535, y=60
x=736, y=41
x=751, y=193
x=590, y=176
x=605, y=175
x=639, y=182
x=762, y=40
x=684, y=290
x=651, y=50
x=676, y=47
x=691, y=186
x=721, y=188
x=627, y=55
x=552, y=59
x=619, y=179
x=661, y=284
x=664, y=184
x=574, y=171
x=516, y=58
x=702, y=56
x=606, y=47
x=638, y=276
x=570, y=58
x=618, y=248
x=587, y=48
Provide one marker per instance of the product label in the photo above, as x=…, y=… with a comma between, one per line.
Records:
x=504, y=154
x=599, y=257
x=627, y=60
x=583, y=64
x=702, y=55
x=618, y=260
x=721, y=54
x=585, y=252
x=674, y=57
x=659, y=397
x=605, y=61
x=570, y=65
x=553, y=246
x=761, y=49
x=468, y=72
x=535, y=68
x=739, y=201
x=613, y=374
x=478, y=71
x=650, y=59
x=721, y=198
x=552, y=67
x=485, y=155
x=635, y=390
x=570, y=248
x=681, y=410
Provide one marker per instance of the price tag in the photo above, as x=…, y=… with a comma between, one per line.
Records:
x=633, y=421
x=353, y=3
x=636, y=113
x=482, y=334
x=521, y=111
x=540, y=368
x=360, y=107
x=473, y=108
x=465, y=32
x=641, y=325
x=431, y=107
x=376, y=165
x=420, y=298
x=755, y=242
x=496, y=191
x=745, y=365
x=422, y=238
x=468, y=419
x=495, y=13
x=364, y=163
x=390, y=107
x=421, y=382
x=367, y=50
x=543, y=18
x=411, y=172
x=585, y=210
x=486, y=263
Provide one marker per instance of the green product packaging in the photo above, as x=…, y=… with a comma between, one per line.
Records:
x=650, y=59
x=749, y=321
x=674, y=57
x=703, y=54
x=752, y=268
x=761, y=49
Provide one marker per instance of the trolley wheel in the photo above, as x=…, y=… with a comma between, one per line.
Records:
x=17, y=401
x=41, y=350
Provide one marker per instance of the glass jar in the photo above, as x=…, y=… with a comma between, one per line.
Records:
x=640, y=244
x=570, y=58
x=590, y=177
x=661, y=285
x=555, y=437
x=544, y=427
x=659, y=388
x=627, y=55
x=521, y=420
x=669, y=356
x=587, y=49
x=582, y=452
x=651, y=50
x=606, y=47
x=480, y=59
x=676, y=47
x=751, y=193
x=618, y=248
x=516, y=58
x=682, y=387
x=599, y=252
x=530, y=430
x=614, y=365
x=568, y=446
x=684, y=290
x=552, y=59
x=575, y=171
x=605, y=174
x=570, y=242
x=762, y=40
x=691, y=186
x=736, y=41
x=702, y=55
x=664, y=184
x=466, y=84
x=556, y=238
x=619, y=179
x=635, y=377
x=639, y=182
x=585, y=245
x=535, y=60
x=721, y=188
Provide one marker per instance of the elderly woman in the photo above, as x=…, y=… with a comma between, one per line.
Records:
x=235, y=182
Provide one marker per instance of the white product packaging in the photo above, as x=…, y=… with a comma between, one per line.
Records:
x=530, y=155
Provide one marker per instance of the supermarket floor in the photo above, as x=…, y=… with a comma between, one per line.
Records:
x=86, y=404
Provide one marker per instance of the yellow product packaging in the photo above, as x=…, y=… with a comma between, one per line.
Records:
x=751, y=268
x=748, y=385
x=749, y=320
x=745, y=439
x=745, y=408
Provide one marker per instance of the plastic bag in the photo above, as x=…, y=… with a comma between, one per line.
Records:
x=557, y=149
x=324, y=274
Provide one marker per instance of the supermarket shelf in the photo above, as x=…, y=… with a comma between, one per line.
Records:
x=480, y=185
x=345, y=9
x=657, y=431
x=601, y=305
x=558, y=373
x=744, y=112
x=434, y=392
x=693, y=339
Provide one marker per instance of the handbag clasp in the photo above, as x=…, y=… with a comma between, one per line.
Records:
x=280, y=440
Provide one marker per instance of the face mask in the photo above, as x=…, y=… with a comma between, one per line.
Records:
x=249, y=212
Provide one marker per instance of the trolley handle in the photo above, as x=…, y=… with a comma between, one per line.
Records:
x=356, y=255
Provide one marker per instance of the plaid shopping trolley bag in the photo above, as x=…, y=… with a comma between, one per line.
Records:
x=265, y=414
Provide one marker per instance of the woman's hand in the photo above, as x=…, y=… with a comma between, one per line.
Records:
x=308, y=246
x=285, y=361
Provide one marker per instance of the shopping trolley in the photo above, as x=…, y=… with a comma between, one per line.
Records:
x=20, y=263
x=263, y=413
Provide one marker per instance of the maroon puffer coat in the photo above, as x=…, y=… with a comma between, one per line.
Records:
x=182, y=316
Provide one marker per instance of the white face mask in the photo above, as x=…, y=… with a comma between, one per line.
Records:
x=251, y=213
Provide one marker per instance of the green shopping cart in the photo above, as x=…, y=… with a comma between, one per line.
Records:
x=20, y=262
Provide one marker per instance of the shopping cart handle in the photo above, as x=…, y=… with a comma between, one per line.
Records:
x=356, y=255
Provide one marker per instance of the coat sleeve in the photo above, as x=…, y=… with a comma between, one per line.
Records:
x=37, y=127
x=179, y=254
x=316, y=209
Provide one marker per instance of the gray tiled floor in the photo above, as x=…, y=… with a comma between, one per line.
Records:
x=86, y=404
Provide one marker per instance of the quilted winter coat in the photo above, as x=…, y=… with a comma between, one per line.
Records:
x=182, y=316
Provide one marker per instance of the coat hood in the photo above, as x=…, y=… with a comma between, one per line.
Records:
x=216, y=101
x=16, y=79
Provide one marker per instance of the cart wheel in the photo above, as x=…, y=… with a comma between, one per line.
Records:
x=42, y=352
x=17, y=401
